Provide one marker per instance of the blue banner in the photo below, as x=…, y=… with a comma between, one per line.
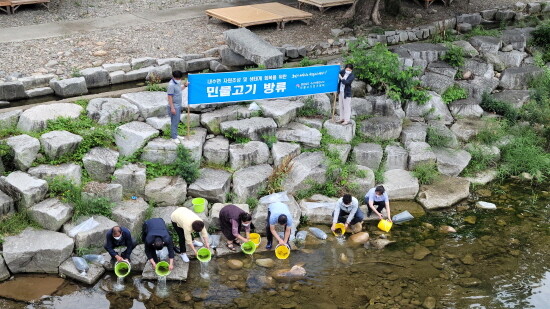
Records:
x=262, y=84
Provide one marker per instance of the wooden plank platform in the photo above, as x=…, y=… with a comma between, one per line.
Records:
x=5, y=6
x=324, y=4
x=259, y=14
x=15, y=4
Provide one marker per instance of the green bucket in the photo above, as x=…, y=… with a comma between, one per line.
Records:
x=199, y=204
x=248, y=247
x=122, y=269
x=162, y=269
x=204, y=255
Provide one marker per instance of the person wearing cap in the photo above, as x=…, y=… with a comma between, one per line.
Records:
x=155, y=236
x=378, y=197
x=347, y=211
x=119, y=236
x=185, y=222
x=232, y=221
x=278, y=213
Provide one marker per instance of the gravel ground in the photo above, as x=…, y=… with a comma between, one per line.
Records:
x=64, y=55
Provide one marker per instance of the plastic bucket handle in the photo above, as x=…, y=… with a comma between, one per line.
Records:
x=204, y=255
x=122, y=269
x=162, y=269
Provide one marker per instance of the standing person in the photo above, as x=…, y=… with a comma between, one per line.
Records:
x=175, y=98
x=346, y=77
x=119, y=236
x=347, y=211
x=232, y=220
x=185, y=222
x=278, y=213
x=378, y=196
x=155, y=236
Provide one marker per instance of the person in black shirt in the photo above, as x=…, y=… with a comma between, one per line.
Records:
x=119, y=236
x=155, y=236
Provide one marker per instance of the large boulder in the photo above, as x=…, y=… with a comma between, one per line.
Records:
x=253, y=48
x=199, y=64
x=112, y=110
x=425, y=51
x=232, y=59
x=517, y=98
x=36, y=118
x=342, y=150
x=486, y=44
x=468, y=49
x=212, y=120
x=166, y=190
x=100, y=163
x=24, y=150
x=444, y=192
x=420, y=153
x=466, y=108
x=95, y=77
x=138, y=63
x=132, y=177
x=434, y=109
x=8, y=120
x=479, y=68
x=12, y=91
x=149, y=103
x=358, y=88
x=130, y=137
x=381, y=128
x=414, y=132
x=212, y=185
x=36, y=251
x=519, y=78
x=69, y=87
x=251, y=153
x=439, y=133
x=478, y=86
x=363, y=179
x=281, y=151
x=282, y=111
x=109, y=191
x=512, y=58
x=215, y=213
x=51, y=214
x=69, y=171
x=160, y=150
x=179, y=273
x=24, y=189
x=6, y=204
x=368, y=154
x=300, y=133
x=165, y=213
x=339, y=131
x=450, y=161
x=400, y=184
x=131, y=214
x=67, y=269
x=253, y=128
x=194, y=143
x=216, y=150
x=307, y=168
x=91, y=238
x=57, y=144
x=321, y=102
x=437, y=82
x=318, y=208
x=397, y=158
x=249, y=181
x=259, y=214
x=515, y=37
x=465, y=129
x=4, y=272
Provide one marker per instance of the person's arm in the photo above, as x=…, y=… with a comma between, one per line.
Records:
x=171, y=253
x=274, y=233
x=189, y=241
x=149, y=254
x=235, y=230
x=204, y=236
x=109, y=246
x=335, y=216
x=287, y=234
x=352, y=213
x=171, y=98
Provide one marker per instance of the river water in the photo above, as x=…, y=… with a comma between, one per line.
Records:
x=501, y=261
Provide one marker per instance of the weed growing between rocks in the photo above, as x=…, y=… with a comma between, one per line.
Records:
x=153, y=84
x=276, y=179
x=269, y=139
x=426, y=173
x=454, y=93
x=381, y=69
x=252, y=203
x=233, y=135
x=186, y=167
x=541, y=38
x=480, y=31
x=492, y=132
x=454, y=56
x=15, y=223
x=150, y=208
x=490, y=104
x=309, y=109
x=436, y=139
x=481, y=160
x=306, y=62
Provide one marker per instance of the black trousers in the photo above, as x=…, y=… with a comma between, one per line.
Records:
x=379, y=206
x=126, y=253
x=268, y=233
x=181, y=237
x=343, y=216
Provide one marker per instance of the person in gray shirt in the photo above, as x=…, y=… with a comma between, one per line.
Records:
x=175, y=98
x=347, y=211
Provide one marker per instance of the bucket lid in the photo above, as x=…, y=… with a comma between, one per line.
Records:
x=162, y=269
x=282, y=252
x=122, y=269
x=248, y=247
x=204, y=255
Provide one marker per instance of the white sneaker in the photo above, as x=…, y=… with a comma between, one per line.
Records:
x=184, y=257
x=197, y=243
x=176, y=141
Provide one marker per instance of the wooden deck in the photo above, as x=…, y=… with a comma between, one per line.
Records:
x=259, y=14
x=15, y=4
x=5, y=6
x=323, y=5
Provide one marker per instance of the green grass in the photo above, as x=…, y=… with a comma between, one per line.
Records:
x=480, y=31
x=309, y=109
x=480, y=161
x=490, y=104
x=252, y=203
x=269, y=139
x=234, y=135
x=15, y=223
x=436, y=139
x=306, y=62
x=426, y=173
x=454, y=56
x=454, y=93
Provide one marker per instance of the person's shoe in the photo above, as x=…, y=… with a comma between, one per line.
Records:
x=176, y=141
x=269, y=245
x=184, y=257
x=197, y=243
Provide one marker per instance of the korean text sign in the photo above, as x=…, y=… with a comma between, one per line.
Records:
x=262, y=84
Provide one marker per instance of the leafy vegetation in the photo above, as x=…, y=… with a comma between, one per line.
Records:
x=277, y=177
x=15, y=223
x=269, y=139
x=306, y=62
x=480, y=31
x=252, y=203
x=490, y=104
x=234, y=135
x=186, y=167
x=380, y=68
x=426, y=173
x=454, y=56
x=481, y=160
x=309, y=109
x=454, y=93
x=435, y=138
x=153, y=84
x=541, y=35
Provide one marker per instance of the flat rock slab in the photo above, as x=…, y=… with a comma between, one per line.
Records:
x=368, y=154
x=300, y=133
x=132, y=177
x=434, y=109
x=24, y=150
x=67, y=269
x=420, y=153
x=51, y=214
x=160, y=150
x=253, y=128
x=445, y=192
x=69, y=87
x=282, y=111
x=59, y=143
x=212, y=120
x=36, y=118
x=110, y=191
x=401, y=184
x=179, y=273
x=307, y=168
x=339, y=131
x=414, y=132
x=131, y=214
x=212, y=185
x=251, y=153
x=149, y=103
x=451, y=162
x=24, y=189
x=166, y=190
x=69, y=171
x=253, y=48
x=516, y=98
x=37, y=251
x=100, y=163
x=519, y=78
x=130, y=137
x=112, y=110
x=91, y=238
x=318, y=208
x=216, y=150
x=10, y=119
x=250, y=181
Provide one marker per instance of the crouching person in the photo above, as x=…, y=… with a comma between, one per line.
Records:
x=155, y=236
x=347, y=211
x=117, y=237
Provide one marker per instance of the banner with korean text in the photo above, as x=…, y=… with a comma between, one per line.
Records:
x=263, y=84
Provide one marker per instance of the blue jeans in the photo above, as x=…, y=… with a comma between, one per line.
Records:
x=174, y=120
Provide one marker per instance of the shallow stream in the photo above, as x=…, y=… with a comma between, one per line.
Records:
x=501, y=261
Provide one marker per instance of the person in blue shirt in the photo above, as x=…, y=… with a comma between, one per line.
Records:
x=119, y=236
x=278, y=213
x=155, y=236
x=175, y=99
x=378, y=197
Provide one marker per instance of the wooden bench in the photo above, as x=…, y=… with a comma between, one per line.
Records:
x=15, y=4
x=5, y=6
x=323, y=5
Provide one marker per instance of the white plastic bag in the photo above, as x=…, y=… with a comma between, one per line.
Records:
x=318, y=233
x=80, y=265
x=275, y=197
x=87, y=225
x=214, y=241
x=402, y=217
x=162, y=254
x=94, y=258
x=301, y=236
